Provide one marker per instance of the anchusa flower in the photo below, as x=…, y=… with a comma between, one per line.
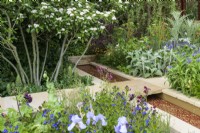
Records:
x=122, y=125
x=28, y=97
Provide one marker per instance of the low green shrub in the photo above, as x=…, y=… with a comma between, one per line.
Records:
x=146, y=63
x=184, y=74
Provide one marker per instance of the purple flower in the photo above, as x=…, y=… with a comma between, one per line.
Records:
x=28, y=97
x=76, y=120
x=122, y=125
x=131, y=97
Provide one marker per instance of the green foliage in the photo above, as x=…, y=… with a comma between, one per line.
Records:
x=68, y=79
x=115, y=55
x=146, y=63
x=184, y=74
x=182, y=27
x=144, y=13
x=158, y=34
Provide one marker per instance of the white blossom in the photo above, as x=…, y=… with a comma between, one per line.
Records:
x=98, y=12
x=47, y=16
x=82, y=13
x=44, y=7
x=63, y=29
x=93, y=29
x=59, y=19
x=114, y=18
x=43, y=3
x=100, y=0
x=85, y=10
x=120, y=1
x=71, y=14
x=79, y=5
x=34, y=11
x=93, y=15
x=126, y=2
x=21, y=15
x=102, y=27
x=35, y=25
x=89, y=18
x=61, y=10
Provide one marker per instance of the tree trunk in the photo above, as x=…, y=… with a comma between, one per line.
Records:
x=183, y=7
x=198, y=9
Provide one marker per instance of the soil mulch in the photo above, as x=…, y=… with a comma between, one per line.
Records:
x=175, y=110
x=92, y=70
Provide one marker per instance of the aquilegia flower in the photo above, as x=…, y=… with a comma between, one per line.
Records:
x=28, y=97
x=122, y=125
x=97, y=118
x=76, y=120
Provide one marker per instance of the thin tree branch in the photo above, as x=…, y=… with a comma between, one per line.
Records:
x=88, y=44
x=9, y=62
x=27, y=53
x=44, y=62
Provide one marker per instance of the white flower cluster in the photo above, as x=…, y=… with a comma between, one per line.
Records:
x=44, y=5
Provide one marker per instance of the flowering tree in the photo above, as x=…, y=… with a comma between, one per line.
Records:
x=66, y=20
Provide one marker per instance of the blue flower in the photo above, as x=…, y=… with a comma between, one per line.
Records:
x=147, y=122
x=16, y=127
x=51, y=116
x=45, y=112
x=5, y=131
x=144, y=113
x=113, y=105
x=76, y=120
x=137, y=108
x=56, y=125
x=122, y=125
x=45, y=122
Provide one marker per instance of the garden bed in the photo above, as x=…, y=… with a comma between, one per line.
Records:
x=176, y=108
